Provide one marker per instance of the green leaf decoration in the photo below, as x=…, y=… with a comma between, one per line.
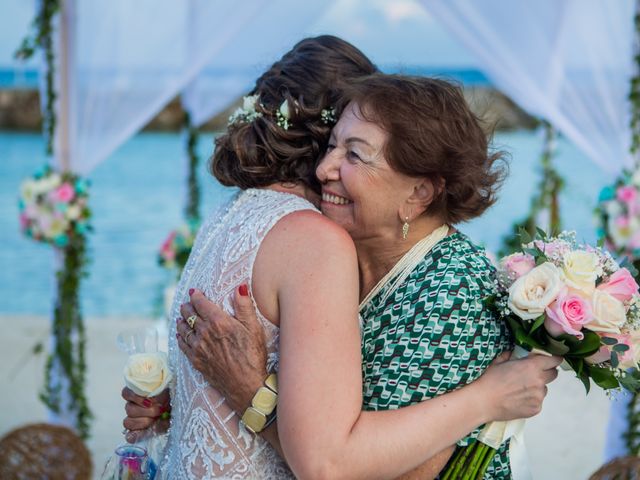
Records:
x=621, y=347
x=524, y=236
x=630, y=383
x=542, y=234
x=609, y=340
x=557, y=347
x=603, y=377
x=585, y=381
x=538, y=323
x=614, y=360
x=588, y=346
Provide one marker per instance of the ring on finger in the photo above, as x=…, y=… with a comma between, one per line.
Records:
x=191, y=321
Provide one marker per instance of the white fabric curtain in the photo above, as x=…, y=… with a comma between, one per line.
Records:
x=568, y=61
x=232, y=71
x=127, y=60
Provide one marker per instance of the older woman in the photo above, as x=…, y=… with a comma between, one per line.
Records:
x=406, y=160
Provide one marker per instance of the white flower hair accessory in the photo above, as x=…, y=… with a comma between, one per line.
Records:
x=283, y=115
x=247, y=113
x=328, y=116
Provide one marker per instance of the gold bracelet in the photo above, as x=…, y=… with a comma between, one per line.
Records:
x=262, y=411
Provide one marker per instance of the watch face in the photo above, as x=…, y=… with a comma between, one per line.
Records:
x=254, y=420
x=272, y=382
x=264, y=400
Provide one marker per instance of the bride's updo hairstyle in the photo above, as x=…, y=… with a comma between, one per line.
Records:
x=258, y=151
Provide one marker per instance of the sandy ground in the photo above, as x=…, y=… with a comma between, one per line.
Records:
x=565, y=441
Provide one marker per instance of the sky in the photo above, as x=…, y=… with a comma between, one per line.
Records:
x=391, y=32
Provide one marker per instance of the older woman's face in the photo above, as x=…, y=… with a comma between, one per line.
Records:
x=360, y=191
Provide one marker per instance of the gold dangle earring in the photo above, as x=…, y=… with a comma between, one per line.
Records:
x=405, y=228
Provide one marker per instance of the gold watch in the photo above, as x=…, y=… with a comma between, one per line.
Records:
x=262, y=411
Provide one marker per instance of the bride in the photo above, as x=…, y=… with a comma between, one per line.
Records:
x=303, y=274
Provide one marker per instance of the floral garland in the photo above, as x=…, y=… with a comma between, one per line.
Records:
x=53, y=209
x=174, y=251
x=546, y=199
x=42, y=38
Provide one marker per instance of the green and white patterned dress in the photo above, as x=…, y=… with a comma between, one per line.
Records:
x=432, y=335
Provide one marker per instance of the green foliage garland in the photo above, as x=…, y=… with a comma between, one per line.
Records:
x=68, y=355
x=192, y=209
x=42, y=38
x=546, y=198
x=632, y=435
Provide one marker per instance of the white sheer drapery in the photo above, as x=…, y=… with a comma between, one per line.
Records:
x=128, y=60
x=233, y=70
x=568, y=61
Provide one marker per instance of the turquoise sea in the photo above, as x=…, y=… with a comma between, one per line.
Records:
x=137, y=197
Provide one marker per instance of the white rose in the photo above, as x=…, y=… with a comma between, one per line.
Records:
x=73, y=212
x=249, y=103
x=533, y=292
x=147, y=374
x=580, y=270
x=608, y=313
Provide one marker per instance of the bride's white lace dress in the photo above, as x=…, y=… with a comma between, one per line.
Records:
x=206, y=438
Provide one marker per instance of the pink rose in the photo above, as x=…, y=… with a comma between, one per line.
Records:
x=622, y=222
x=628, y=358
x=567, y=314
x=166, y=245
x=627, y=194
x=64, y=193
x=621, y=285
x=518, y=264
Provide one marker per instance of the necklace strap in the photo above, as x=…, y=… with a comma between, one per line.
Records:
x=406, y=265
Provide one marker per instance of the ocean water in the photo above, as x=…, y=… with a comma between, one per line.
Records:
x=137, y=197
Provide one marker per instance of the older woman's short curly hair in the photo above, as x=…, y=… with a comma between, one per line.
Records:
x=260, y=152
x=433, y=133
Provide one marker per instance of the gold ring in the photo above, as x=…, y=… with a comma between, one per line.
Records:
x=191, y=321
x=187, y=336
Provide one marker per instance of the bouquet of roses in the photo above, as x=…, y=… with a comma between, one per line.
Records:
x=53, y=207
x=176, y=248
x=569, y=300
x=618, y=215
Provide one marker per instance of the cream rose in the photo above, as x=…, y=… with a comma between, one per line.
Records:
x=147, y=374
x=580, y=270
x=533, y=292
x=608, y=313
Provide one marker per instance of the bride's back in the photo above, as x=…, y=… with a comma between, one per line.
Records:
x=275, y=139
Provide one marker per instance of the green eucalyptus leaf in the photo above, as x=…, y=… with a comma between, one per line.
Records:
x=609, y=340
x=614, y=360
x=541, y=233
x=621, y=347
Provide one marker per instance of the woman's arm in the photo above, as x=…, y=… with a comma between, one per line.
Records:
x=322, y=429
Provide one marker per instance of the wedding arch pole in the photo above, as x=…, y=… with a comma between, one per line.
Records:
x=64, y=392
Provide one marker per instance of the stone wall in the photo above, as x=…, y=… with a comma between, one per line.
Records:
x=20, y=110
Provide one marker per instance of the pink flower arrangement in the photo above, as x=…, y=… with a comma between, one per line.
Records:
x=575, y=301
x=175, y=249
x=53, y=207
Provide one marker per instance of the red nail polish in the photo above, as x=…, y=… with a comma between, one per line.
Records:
x=146, y=402
x=243, y=290
x=191, y=290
